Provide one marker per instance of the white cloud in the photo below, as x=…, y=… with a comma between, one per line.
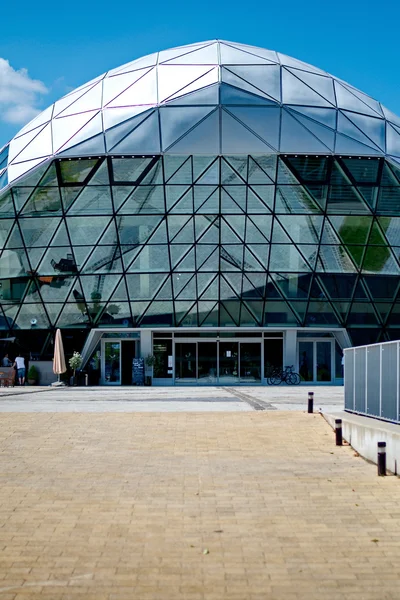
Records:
x=19, y=94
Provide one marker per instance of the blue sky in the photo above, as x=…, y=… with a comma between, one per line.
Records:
x=64, y=45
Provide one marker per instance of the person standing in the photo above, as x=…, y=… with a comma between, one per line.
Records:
x=20, y=365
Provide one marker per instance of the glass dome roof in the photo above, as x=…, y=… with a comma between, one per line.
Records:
x=214, y=97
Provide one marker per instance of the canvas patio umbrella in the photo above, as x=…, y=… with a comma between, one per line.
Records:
x=59, y=358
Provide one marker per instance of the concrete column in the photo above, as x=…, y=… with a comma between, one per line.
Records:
x=145, y=343
x=290, y=348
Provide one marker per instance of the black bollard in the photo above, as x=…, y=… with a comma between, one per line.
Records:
x=310, y=402
x=381, y=458
x=338, y=432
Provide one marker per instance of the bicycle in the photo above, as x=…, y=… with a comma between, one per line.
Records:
x=287, y=375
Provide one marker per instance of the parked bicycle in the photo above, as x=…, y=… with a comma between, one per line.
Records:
x=287, y=375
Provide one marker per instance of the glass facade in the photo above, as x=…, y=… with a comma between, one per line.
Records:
x=209, y=186
x=200, y=241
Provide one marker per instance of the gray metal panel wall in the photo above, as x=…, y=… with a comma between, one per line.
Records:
x=360, y=404
x=373, y=380
x=349, y=379
x=389, y=382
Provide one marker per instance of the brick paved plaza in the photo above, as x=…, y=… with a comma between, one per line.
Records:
x=240, y=505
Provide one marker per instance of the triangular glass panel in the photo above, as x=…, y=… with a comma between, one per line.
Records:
x=120, y=194
x=285, y=175
x=392, y=140
x=295, y=91
x=44, y=201
x=208, y=95
x=172, y=164
x=188, y=263
x=133, y=169
x=352, y=229
x=104, y=259
x=144, y=286
x=92, y=201
x=229, y=175
x=100, y=175
x=231, y=257
x=295, y=199
x=21, y=195
x=207, y=258
x=237, y=228
x=348, y=145
x=228, y=205
x=346, y=198
x=186, y=234
x=324, y=116
x=363, y=170
x=204, y=138
x=277, y=312
x=319, y=83
x=324, y=134
x=287, y=258
x=254, y=285
x=177, y=252
x=256, y=234
x=203, y=281
x=176, y=122
x=58, y=261
x=182, y=290
x=68, y=195
x=256, y=309
x=206, y=170
x=301, y=228
x=294, y=136
x=238, y=194
x=264, y=122
x=334, y=259
x=212, y=291
x=93, y=145
x=373, y=128
x=165, y=292
x=235, y=282
x=254, y=203
x=159, y=314
x=72, y=316
x=279, y=235
x=229, y=313
x=382, y=287
x=176, y=223
x=348, y=128
x=206, y=199
x=259, y=252
x=346, y=99
x=145, y=139
x=147, y=199
x=208, y=313
x=38, y=232
x=207, y=229
x=137, y=229
x=50, y=177
x=5, y=228
x=97, y=288
x=191, y=318
x=264, y=79
x=256, y=174
x=321, y=313
x=379, y=259
x=181, y=309
x=292, y=285
x=138, y=309
x=176, y=192
x=225, y=290
x=238, y=164
x=362, y=313
x=235, y=135
x=338, y=286
x=6, y=206
x=232, y=95
x=32, y=316
x=83, y=232
x=15, y=239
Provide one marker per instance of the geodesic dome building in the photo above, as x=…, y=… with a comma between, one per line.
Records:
x=221, y=206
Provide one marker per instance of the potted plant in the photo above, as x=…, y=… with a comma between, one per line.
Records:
x=75, y=363
x=33, y=375
x=149, y=361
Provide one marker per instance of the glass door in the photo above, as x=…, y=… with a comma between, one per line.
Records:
x=185, y=362
x=324, y=361
x=250, y=362
x=315, y=361
x=228, y=362
x=111, y=359
x=207, y=368
x=306, y=361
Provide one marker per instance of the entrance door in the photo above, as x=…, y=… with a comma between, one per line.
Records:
x=111, y=359
x=228, y=362
x=127, y=356
x=250, y=362
x=185, y=362
x=207, y=367
x=315, y=361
